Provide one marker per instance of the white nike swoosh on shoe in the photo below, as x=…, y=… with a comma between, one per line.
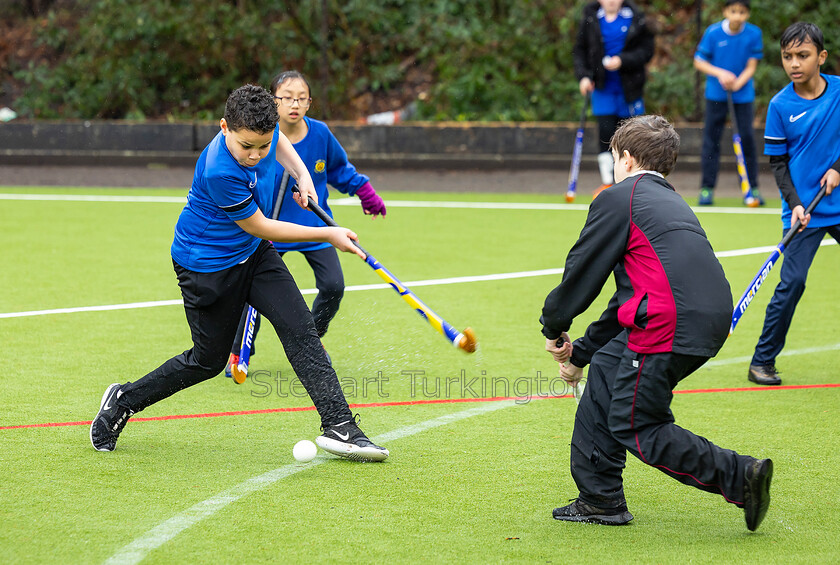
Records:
x=794, y=118
x=351, y=451
x=106, y=398
x=342, y=437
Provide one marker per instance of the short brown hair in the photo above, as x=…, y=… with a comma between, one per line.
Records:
x=651, y=140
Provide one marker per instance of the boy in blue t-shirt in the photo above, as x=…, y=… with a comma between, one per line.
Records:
x=222, y=260
x=613, y=46
x=802, y=138
x=327, y=162
x=728, y=54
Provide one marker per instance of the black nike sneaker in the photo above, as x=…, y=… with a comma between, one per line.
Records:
x=347, y=440
x=579, y=511
x=111, y=419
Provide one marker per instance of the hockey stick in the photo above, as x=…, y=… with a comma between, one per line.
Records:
x=284, y=182
x=239, y=372
x=577, y=390
x=464, y=340
x=577, y=153
x=749, y=200
x=756, y=283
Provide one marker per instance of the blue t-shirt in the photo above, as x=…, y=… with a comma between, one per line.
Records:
x=207, y=238
x=614, y=35
x=327, y=162
x=729, y=51
x=809, y=132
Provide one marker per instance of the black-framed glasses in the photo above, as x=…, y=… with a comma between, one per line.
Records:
x=289, y=101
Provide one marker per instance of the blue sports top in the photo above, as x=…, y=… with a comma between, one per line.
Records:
x=809, y=132
x=729, y=51
x=327, y=162
x=614, y=34
x=207, y=238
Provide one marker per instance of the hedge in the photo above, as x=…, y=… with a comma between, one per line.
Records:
x=484, y=60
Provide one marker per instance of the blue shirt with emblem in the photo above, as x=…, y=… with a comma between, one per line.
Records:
x=731, y=51
x=327, y=162
x=808, y=131
x=614, y=35
x=207, y=238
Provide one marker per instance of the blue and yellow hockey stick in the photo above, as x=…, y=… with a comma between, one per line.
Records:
x=746, y=191
x=577, y=153
x=239, y=372
x=464, y=340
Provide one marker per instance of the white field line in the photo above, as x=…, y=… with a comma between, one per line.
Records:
x=760, y=250
x=349, y=201
x=104, y=308
x=94, y=198
x=351, y=288
x=138, y=549
x=784, y=353
x=380, y=286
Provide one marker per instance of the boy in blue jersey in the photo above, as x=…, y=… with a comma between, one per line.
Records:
x=728, y=54
x=222, y=260
x=612, y=48
x=326, y=162
x=801, y=137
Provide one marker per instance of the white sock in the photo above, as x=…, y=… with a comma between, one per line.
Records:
x=605, y=165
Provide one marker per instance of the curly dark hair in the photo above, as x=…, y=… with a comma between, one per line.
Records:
x=651, y=140
x=251, y=108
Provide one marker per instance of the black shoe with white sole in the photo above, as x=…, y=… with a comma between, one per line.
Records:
x=111, y=419
x=579, y=511
x=347, y=440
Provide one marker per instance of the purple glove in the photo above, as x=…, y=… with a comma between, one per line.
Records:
x=372, y=203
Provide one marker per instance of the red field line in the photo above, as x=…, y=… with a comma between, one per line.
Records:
x=405, y=403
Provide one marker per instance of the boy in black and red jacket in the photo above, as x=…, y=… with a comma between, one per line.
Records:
x=670, y=313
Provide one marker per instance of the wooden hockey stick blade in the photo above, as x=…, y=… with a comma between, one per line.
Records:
x=468, y=341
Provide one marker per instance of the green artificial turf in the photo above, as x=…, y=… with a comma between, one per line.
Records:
x=478, y=489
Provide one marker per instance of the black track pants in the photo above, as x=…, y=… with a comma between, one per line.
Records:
x=213, y=303
x=626, y=407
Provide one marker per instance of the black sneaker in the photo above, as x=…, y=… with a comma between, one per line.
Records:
x=109, y=422
x=757, y=479
x=764, y=375
x=579, y=511
x=347, y=440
